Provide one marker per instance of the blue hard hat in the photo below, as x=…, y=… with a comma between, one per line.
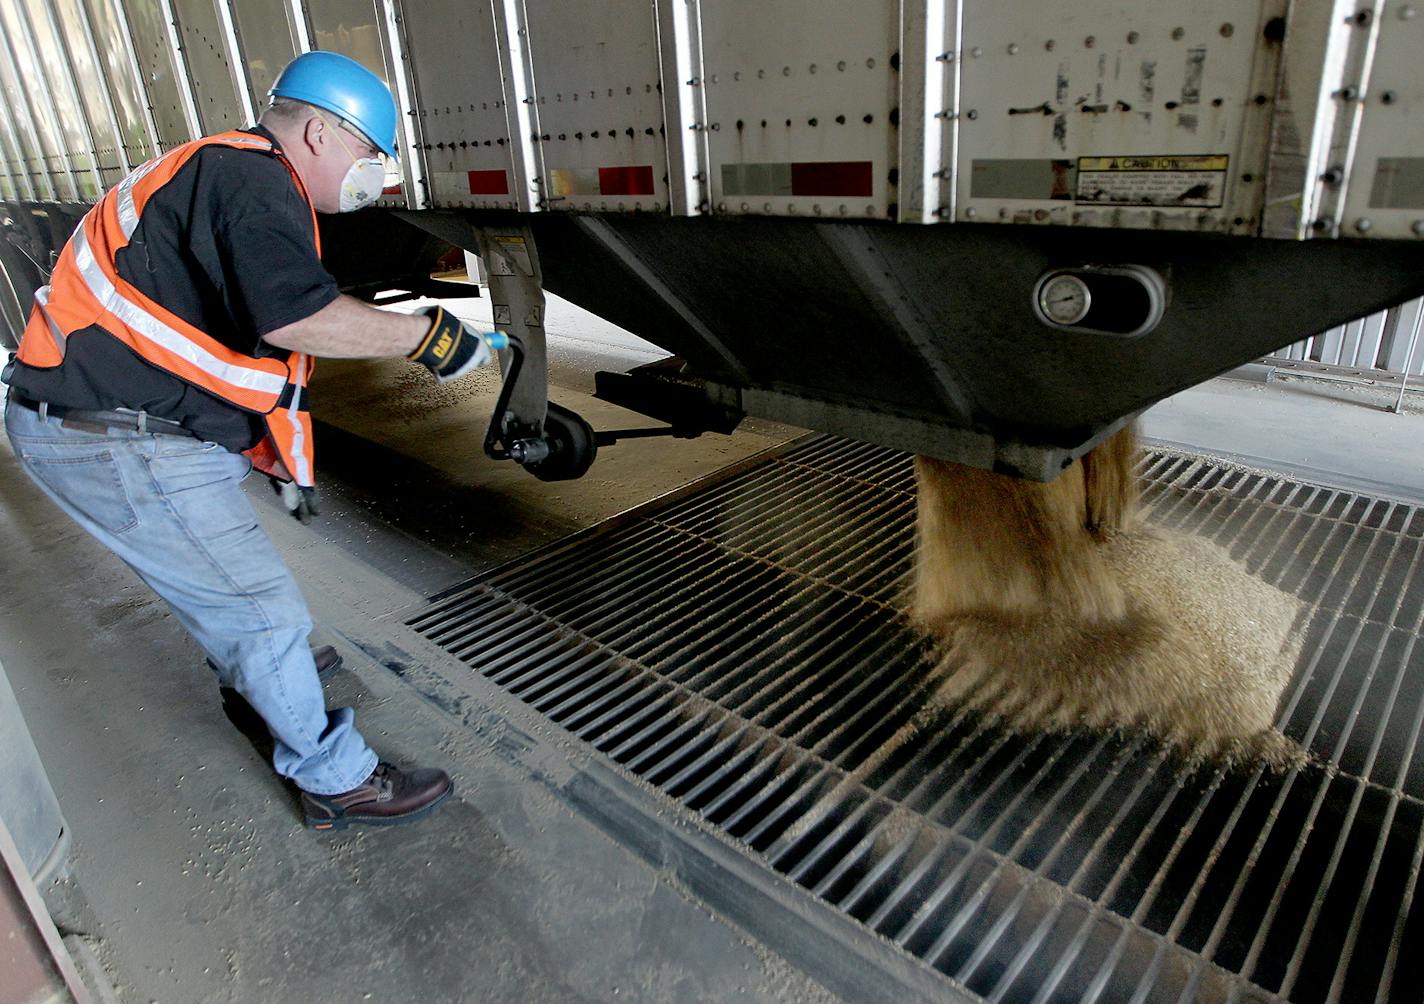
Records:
x=340, y=84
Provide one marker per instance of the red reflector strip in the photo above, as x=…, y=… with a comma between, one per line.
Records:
x=832, y=177
x=393, y=190
x=489, y=183
x=625, y=180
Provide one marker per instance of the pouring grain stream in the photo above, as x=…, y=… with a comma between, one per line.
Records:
x=1052, y=606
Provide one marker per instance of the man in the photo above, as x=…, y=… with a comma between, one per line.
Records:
x=170, y=354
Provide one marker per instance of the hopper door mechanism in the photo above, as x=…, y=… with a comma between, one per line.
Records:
x=550, y=441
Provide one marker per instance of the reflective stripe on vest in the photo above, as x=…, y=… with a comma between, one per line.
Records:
x=86, y=290
x=42, y=313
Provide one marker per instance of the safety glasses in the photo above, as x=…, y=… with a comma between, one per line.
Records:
x=364, y=149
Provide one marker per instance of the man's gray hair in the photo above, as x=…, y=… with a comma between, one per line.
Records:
x=286, y=111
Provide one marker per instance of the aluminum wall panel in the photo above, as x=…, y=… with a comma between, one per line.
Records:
x=361, y=29
x=20, y=184
x=1386, y=342
x=205, y=53
x=161, y=75
x=1405, y=353
x=1108, y=114
x=1371, y=338
x=57, y=79
x=88, y=77
x=29, y=101
x=460, y=101
x=1311, y=65
x=352, y=28
x=600, y=113
x=118, y=63
x=9, y=186
x=1335, y=44
x=801, y=98
x=1385, y=197
x=929, y=105
x=20, y=136
x=265, y=30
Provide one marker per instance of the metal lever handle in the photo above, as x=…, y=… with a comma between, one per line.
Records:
x=496, y=426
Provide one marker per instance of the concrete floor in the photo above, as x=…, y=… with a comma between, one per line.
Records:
x=1339, y=434
x=192, y=875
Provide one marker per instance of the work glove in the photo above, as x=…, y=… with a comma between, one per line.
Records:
x=451, y=348
x=300, y=502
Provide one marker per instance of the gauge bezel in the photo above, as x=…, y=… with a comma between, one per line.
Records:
x=1043, y=295
x=1148, y=280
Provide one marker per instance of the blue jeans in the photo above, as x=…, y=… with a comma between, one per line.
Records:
x=173, y=510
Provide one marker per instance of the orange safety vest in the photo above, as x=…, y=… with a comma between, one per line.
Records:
x=86, y=289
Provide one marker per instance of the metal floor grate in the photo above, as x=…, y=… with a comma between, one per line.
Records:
x=741, y=649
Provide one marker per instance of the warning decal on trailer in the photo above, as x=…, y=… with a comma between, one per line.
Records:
x=511, y=256
x=1195, y=180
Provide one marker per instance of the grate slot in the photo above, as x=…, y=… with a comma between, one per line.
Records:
x=860, y=896
x=475, y=616
x=937, y=950
x=767, y=717
x=1034, y=943
x=1001, y=778
x=743, y=648
x=886, y=778
x=717, y=800
x=882, y=726
x=1293, y=971
x=531, y=680
x=692, y=740
x=798, y=736
x=1397, y=940
x=1253, y=956
x=1266, y=830
x=1144, y=904
x=1092, y=919
x=879, y=839
x=928, y=917
x=1291, y=540
x=728, y=757
x=967, y=971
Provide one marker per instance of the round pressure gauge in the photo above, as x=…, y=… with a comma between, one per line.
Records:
x=1064, y=299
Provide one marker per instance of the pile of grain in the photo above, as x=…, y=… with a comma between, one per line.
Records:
x=1053, y=607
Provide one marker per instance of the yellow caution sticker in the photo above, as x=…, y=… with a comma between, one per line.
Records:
x=511, y=256
x=1195, y=162
x=1181, y=181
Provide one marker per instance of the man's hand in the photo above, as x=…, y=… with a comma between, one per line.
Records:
x=300, y=502
x=451, y=348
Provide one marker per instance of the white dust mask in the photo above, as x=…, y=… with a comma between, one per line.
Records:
x=364, y=182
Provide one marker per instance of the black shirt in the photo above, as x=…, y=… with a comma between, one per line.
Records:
x=227, y=246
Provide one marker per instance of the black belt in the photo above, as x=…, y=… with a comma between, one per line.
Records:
x=86, y=420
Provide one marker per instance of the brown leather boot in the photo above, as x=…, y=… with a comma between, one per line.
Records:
x=389, y=797
x=327, y=659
